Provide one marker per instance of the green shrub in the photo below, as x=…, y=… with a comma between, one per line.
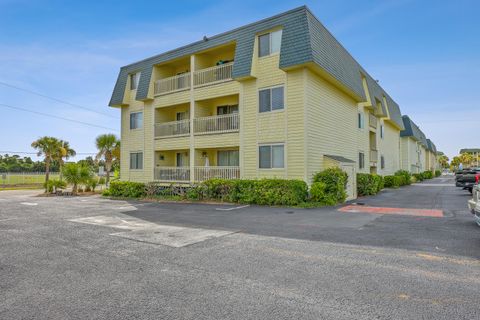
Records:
x=407, y=177
x=91, y=184
x=393, y=181
x=320, y=194
x=418, y=177
x=126, y=189
x=54, y=185
x=335, y=181
x=369, y=184
x=280, y=192
x=438, y=173
x=428, y=175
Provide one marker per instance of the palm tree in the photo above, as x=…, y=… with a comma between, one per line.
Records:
x=64, y=152
x=76, y=174
x=466, y=159
x=108, y=147
x=443, y=161
x=47, y=147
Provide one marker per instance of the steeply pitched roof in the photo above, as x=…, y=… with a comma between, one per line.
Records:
x=412, y=130
x=431, y=146
x=304, y=40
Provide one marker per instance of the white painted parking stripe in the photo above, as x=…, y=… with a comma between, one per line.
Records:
x=29, y=203
x=234, y=208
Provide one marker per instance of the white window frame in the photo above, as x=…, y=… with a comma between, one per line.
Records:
x=382, y=162
x=270, y=53
x=271, y=155
x=130, y=120
x=361, y=164
x=134, y=79
x=130, y=160
x=382, y=131
x=271, y=88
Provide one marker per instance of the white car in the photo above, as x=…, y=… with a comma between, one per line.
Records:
x=474, y=203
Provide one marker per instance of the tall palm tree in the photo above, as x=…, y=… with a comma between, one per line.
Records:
x=47, y=147
x=108, y=146
x=64, y=152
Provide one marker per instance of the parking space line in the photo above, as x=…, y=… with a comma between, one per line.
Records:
x=234, y=208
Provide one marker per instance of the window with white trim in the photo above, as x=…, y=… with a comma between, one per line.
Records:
x=136, y=120
x=382, y=131
x=134, y=80
x=136, y=160
x=361, y=160
x=382, y=162
x=271, y=156
x=271, y=99
x=269, y=43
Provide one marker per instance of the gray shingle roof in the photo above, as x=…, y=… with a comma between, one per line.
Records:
x=470, y=150
x=431, y=146
x=304, y=39
x=412, y=130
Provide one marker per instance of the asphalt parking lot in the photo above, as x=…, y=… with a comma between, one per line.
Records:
x=416, y=256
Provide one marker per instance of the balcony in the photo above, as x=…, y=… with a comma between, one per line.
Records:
x=172, y=84
x=174, y=174
x=173, y=128
x=213, y=75
x=372, y=120
x=205, y=173
x=217, y=124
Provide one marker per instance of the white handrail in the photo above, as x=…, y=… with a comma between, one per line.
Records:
x=221, y=123
x=173, y=128
x=213, y=74
x=172, y=173
x=206, y=173
x=172, y=84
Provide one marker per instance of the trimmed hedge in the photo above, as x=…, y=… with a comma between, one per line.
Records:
x=369, y=184
x=407, y=176
x=428, y=175
x=335, y=181
x=262, y=192
x=438, y=173
x=126, y=189
x=393, y=181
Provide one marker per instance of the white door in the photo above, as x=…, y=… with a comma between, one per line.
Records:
x=352, y=180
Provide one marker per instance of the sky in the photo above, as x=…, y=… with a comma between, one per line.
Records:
x=424, y=53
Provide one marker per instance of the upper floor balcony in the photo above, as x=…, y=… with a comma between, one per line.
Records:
x=209, y=67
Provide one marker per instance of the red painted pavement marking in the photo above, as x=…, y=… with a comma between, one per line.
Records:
x=386, y=210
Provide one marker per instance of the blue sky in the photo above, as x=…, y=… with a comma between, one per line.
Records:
x=425, y=54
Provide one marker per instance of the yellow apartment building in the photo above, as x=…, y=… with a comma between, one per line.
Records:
x=276, y=98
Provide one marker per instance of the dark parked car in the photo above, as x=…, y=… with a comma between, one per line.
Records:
x=467, y=178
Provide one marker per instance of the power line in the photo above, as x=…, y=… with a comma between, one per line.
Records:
x=56, y=117
x=57, y=100
x=35, y=153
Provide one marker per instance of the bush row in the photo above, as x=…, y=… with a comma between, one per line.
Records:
x=370, y=184
x=328, y=188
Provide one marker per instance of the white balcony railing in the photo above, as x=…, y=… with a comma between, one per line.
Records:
x=218, y=124
x=214, y=74
x=172, y=174
x=374, y=156
x=172, y=84
x=205, y=173
x=372, y=120
x=173, y=128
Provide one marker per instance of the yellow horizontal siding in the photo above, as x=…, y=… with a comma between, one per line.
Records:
x=217, y=140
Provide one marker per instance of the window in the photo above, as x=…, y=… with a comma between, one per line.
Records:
x=271, y=156
x=134, y=79
x=382, y=162
x=361, y=160
x=382, y=131
x=271, y=99
x=136, y=160
x=228, y=158
x=269, y=43
x=361, y=120
x=136, y=120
